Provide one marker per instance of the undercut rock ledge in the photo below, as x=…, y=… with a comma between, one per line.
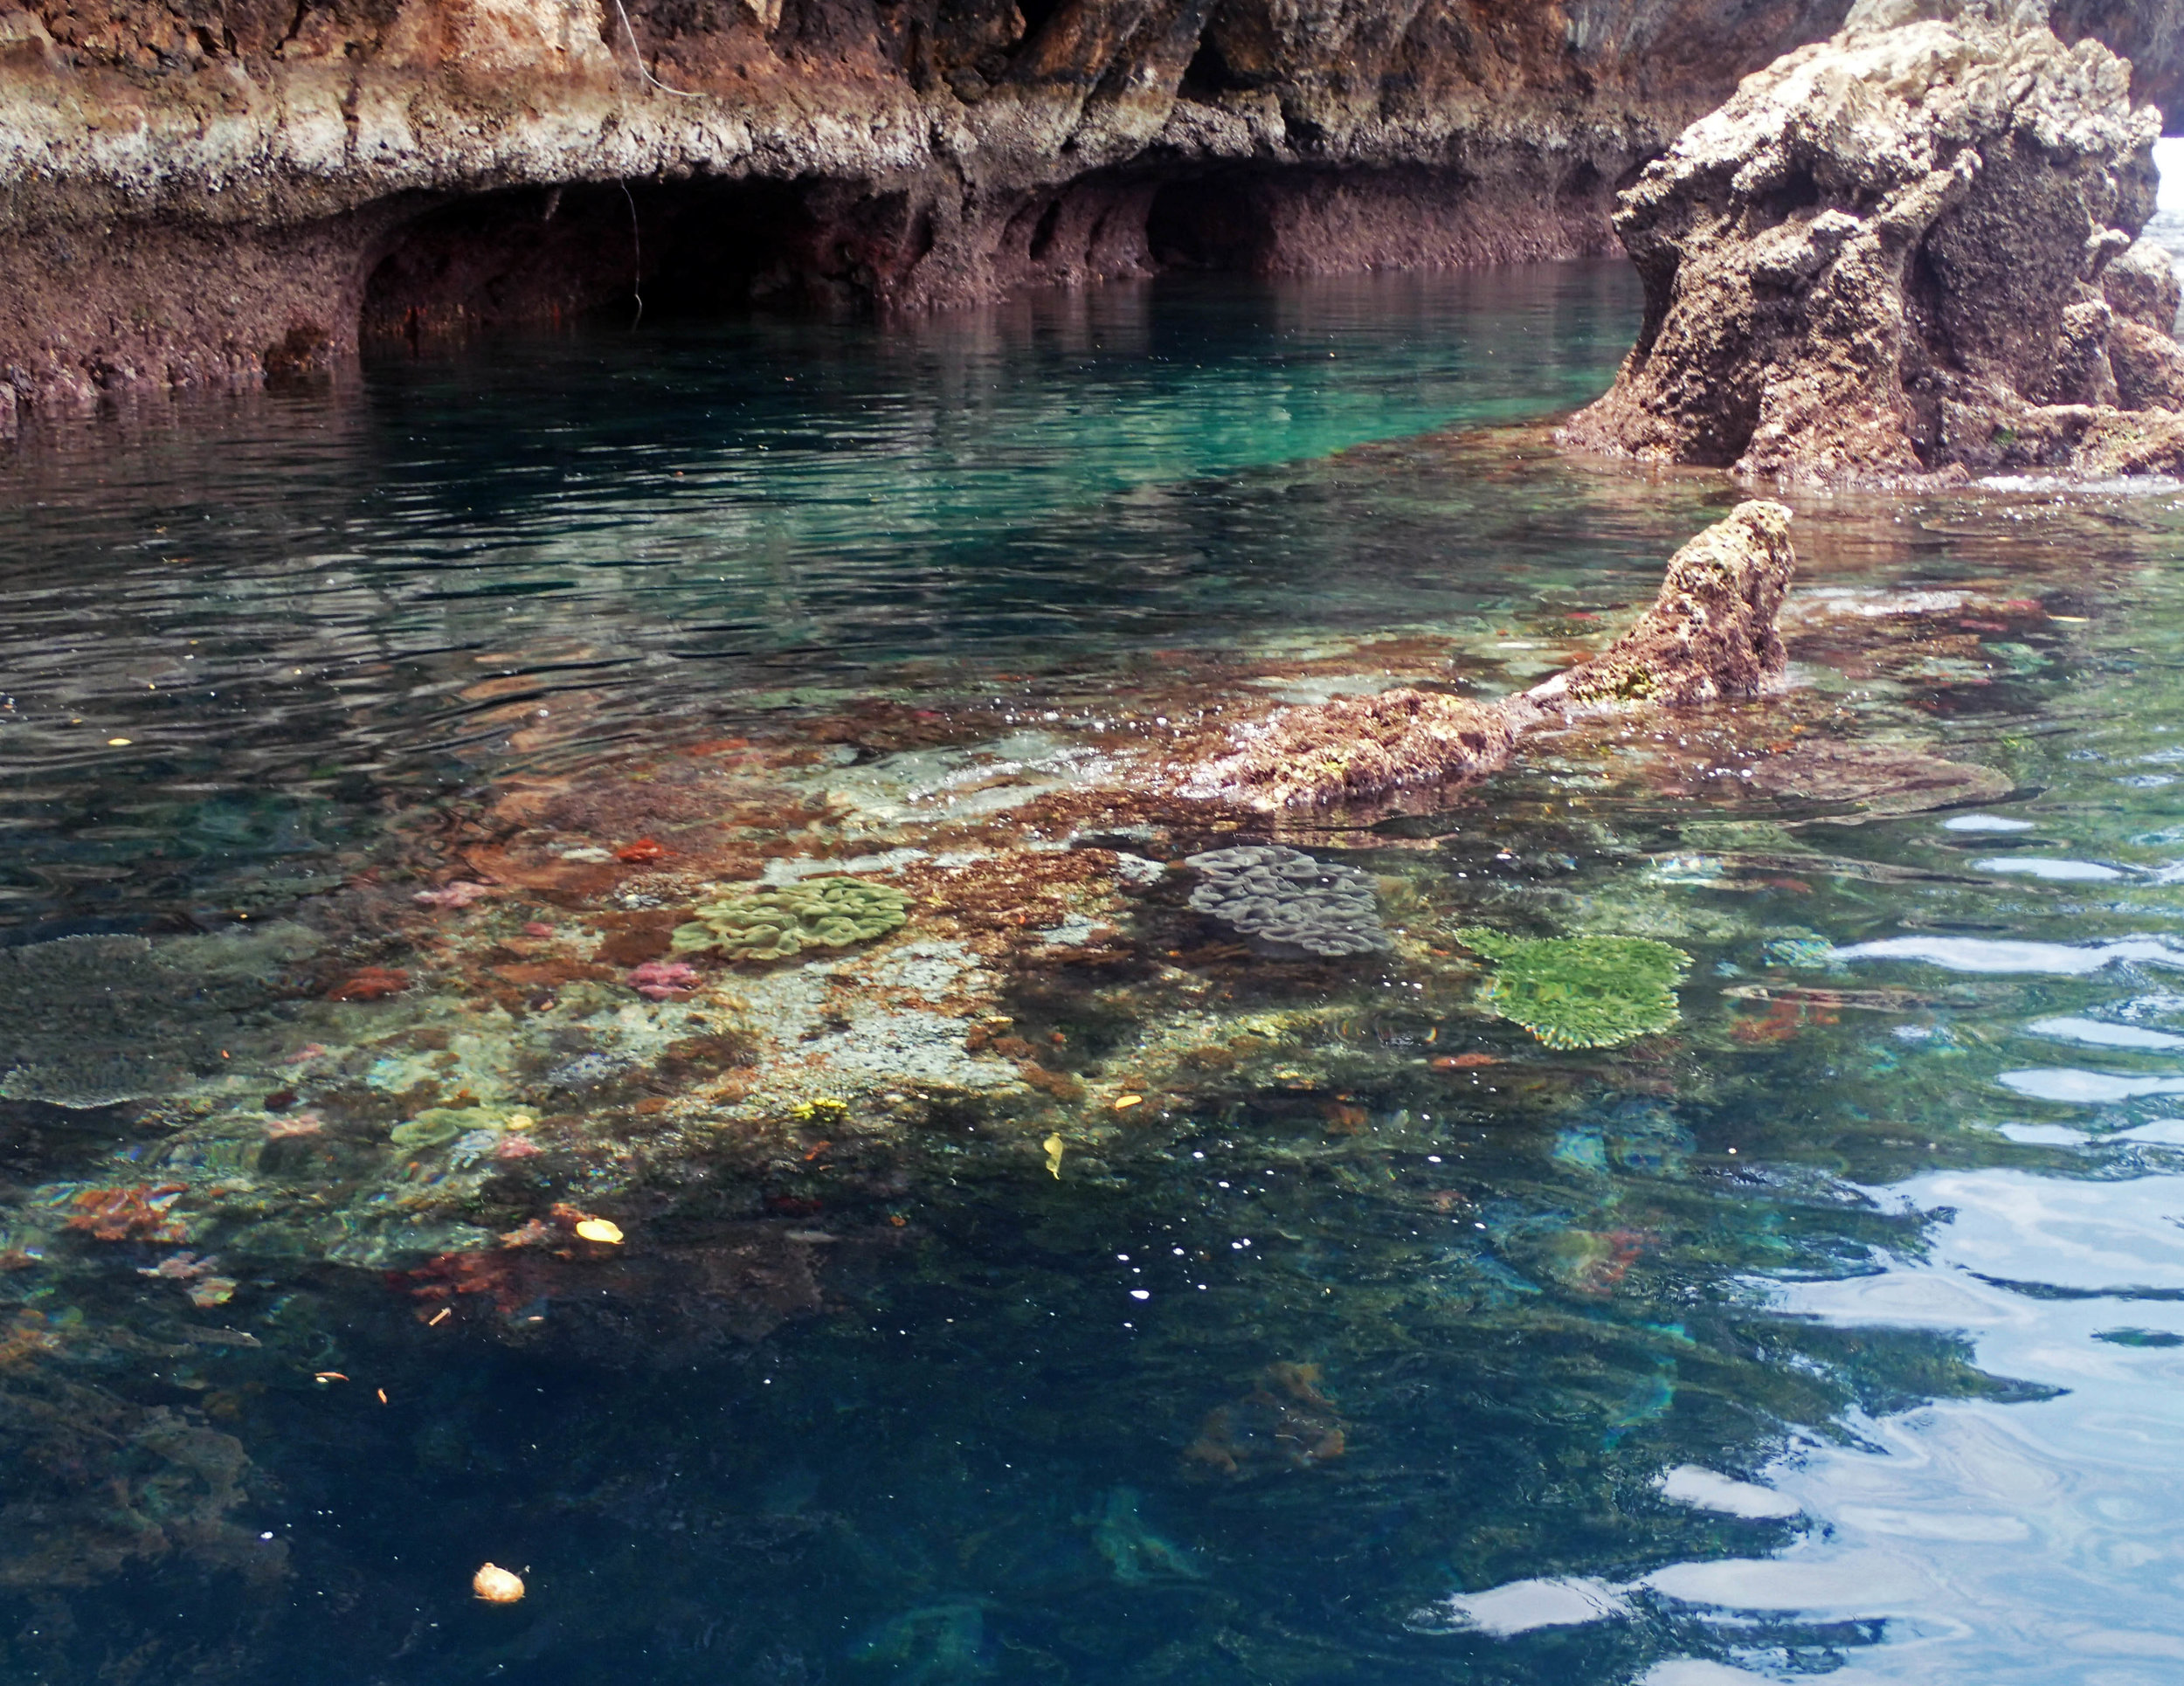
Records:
x=224, y=189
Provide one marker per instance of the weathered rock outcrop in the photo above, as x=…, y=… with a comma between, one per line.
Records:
x=205, y=190
x=1709, y=634
x=1885, y=257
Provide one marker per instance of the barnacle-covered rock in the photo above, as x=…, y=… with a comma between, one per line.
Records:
x=1580, y=991
x=1288, y=900
x=1710, y=634
x=1362, y=749
x=1711, y=631
x=774, y=922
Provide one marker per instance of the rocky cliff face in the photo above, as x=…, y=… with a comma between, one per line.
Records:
x=1897, y=252
x=205, y=190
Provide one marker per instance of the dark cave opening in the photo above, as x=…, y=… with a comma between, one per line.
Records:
x=560, y=254
x=1208, y=223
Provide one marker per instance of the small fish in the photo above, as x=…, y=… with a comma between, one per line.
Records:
x=1054, y=1146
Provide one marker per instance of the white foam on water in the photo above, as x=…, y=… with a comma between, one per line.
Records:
x=1985, y=822
x=2055, y=872
x=1981, y=954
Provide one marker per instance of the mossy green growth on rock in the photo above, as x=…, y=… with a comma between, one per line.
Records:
x=1580, y=991
x=438, y=1126
x=773, y=922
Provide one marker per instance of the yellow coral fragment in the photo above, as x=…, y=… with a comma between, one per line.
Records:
x=1054, y=1145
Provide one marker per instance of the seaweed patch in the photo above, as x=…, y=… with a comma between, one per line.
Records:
x=1580, y=991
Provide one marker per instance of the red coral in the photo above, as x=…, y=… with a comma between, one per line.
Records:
x=142, y=1213
x=372, y=983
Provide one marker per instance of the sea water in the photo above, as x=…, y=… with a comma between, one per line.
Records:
x=1301, y=1323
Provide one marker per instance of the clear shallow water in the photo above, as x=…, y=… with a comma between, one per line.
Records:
x=1831, y=1332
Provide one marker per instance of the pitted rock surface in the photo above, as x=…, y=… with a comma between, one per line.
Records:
x=1884, y=256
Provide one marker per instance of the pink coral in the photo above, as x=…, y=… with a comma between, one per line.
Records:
x=664, y=980
x=461, y=893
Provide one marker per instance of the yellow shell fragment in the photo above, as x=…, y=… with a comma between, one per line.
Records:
x=1053, y=1145
x=497, y=1586
x=597, y=1229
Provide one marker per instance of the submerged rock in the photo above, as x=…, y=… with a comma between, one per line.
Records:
x=1710, y=634
x=88, y=1021
x=1885, y=257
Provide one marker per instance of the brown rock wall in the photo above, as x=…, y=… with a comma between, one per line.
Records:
x=184, y=183
x=1886, y=256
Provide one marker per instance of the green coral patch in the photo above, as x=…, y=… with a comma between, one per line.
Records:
x=437, y=1126
x=1580, y=991
x=774, y=922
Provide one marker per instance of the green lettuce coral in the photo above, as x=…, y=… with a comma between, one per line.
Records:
x=1580, y=991
x=773, y=922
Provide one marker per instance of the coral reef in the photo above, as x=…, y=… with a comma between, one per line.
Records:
x=1288, y=900
x=1580, y=991
x=87, y=1021
x=771, y=923
x=1883, y=258
x=1710, y=633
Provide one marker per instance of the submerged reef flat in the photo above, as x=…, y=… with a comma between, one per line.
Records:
x=1710, y=633
x=1368, y=1105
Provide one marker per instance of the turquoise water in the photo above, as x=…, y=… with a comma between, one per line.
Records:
x=1835, y=1332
